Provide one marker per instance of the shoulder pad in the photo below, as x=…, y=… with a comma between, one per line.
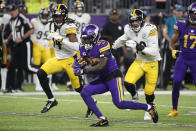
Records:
x=103, y=45
x=69, y=28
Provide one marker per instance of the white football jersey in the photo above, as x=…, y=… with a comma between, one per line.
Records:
x=80, y=21
x=41, y=32
x=148, y=34
x=61, y=50
x=4, y=20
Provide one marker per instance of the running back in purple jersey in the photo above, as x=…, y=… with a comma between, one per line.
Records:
x=93, y=56
x=187, y=36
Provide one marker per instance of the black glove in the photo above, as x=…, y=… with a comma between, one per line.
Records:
x=140, y=46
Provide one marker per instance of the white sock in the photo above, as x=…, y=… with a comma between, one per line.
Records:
x=102, y=117
x=52, y=99
x=149, y=106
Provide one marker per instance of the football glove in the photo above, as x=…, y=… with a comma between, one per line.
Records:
x=55, y=36
x=78, y=71
x=78, y=65
x=140, y=46
x=175, y=53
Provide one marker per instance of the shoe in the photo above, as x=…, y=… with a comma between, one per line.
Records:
x=154, y=114
x=38, y=88
x=8, y=91
x=54, y=87
x=173, y=113
x=147, y=116
x=69, y=88
x=49, y=105
x=101, y=122
x=89, y=112
x=135, y=97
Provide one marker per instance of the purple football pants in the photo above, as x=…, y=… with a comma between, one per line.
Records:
x=182, y=63
x=115, y=86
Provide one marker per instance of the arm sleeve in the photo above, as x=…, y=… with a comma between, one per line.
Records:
x=120, y=42
x=72, y=45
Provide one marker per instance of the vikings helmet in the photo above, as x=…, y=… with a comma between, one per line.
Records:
x=44, y=15
x=90, y=35
x=192, y=13
x=136, y=15
x=60, y=14
x=79, y=7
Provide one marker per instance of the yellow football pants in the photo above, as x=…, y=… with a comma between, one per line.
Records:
x=138, y=69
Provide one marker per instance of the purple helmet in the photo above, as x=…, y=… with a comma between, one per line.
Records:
x=90, y=35
x=192, y=13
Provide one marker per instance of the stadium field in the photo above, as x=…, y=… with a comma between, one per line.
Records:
x=21, y=112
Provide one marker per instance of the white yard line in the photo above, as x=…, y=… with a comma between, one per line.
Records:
x=78, y=101
x=108, y=93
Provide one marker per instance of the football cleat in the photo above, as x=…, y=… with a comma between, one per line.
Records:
x=101, y=122
x=173, y=113
x=89, y=112
x=135, y=97
x=49, y=105
x=154, y=114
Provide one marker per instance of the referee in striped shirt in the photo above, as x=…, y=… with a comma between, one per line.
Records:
x=21, y=48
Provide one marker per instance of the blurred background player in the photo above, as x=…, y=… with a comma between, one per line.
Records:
x=185, y=32
x=63, y=34
x=4, y=19
x=41, y=46
x=81, y=20
x=145, y=39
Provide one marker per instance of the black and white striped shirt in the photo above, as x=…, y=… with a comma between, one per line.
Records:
x=19, y=26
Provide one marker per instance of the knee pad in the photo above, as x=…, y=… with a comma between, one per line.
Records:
x=150, y=98
x=79, y=89
x=41, y=74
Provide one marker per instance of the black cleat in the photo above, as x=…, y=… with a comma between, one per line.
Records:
x=49, y=105
x=154, y=114
x=101, y=122
x=89, y=112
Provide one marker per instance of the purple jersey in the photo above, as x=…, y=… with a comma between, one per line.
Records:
x=187, y=36
x=93, y=56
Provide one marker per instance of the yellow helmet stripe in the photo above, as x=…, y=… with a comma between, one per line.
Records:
x=58, y=7
x=133, y=13
x=45, y=9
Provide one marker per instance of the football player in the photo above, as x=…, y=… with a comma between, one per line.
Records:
x=80, y=17
x=142, y=36
x=41, y=46
x=185, y=32
x=109, y=78
x=63, y=34
x=4, y=20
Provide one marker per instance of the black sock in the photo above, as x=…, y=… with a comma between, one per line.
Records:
x=130, y=88
x=44, y=83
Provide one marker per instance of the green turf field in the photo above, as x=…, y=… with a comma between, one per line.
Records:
x=22, y=113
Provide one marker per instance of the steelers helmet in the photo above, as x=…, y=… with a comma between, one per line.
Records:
x=78, y=7
x=60, y=14
x=136, y=15
x=44, y=15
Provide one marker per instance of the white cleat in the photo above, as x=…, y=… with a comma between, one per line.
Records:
x=54, y=87
x=38, y=88
x=147, y=116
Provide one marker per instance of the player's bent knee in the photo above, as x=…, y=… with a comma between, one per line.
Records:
x=41, y=74
x=84, y=92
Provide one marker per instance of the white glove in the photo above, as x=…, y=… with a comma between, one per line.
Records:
x=56, y=36
x=131, y=43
